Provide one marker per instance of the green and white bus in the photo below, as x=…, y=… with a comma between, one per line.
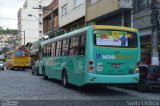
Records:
x=93, y=55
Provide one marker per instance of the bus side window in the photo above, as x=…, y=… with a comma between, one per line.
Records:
x=44, y=51
x=73, y=46
x=82, y=43
x=53, y=49
x=50, y=49
x=47, y=50
x=58, y=48
x=65, y=47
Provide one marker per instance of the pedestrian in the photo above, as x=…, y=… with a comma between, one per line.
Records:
x=147, y=61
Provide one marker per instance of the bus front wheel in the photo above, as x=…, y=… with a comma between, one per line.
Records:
x=64, y=79
x=44, y=74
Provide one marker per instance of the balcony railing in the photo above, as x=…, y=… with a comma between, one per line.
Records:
x=47, y=10
x=103, y=7
x=47, y=24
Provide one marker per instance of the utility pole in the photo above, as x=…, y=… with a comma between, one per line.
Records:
x=52, y=18
x=24, y=38
x=154, y=36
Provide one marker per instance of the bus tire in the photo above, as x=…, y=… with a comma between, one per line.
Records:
x=44, y=74
x=32, y=72
x=38, y=73
x=64, y=79
x=142, y=87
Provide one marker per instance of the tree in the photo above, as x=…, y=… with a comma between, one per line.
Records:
x=4, y=50
x=1, y=28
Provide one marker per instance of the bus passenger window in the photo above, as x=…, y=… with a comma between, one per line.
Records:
x=73, y=46
x=82, y=44
x=65, y=47
x=71, y=52
x=53, y=49
x=81, y=50
x=58, y=49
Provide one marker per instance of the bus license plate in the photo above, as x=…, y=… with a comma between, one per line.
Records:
x=115, y=65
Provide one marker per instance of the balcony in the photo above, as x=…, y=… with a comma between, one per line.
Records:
x=104, y=7
x=47, y=24
x=47, y=11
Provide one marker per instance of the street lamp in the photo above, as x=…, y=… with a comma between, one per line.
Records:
x=31, y=15
x=52, y=18
x=40, y=22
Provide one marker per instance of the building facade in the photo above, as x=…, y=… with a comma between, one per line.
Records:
x=142, y=21
x=8, y=41
x=30, y=25
x=71, y=14
x=50, y=19
x=109, y=12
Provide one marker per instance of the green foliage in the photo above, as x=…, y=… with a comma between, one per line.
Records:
x=8, y=31
x=4, y=50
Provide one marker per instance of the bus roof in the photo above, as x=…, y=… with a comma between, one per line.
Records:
x=115, y=28
x=65, y=35
x=15, y=50
x=86, y=28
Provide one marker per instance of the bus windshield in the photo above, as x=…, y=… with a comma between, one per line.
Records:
x=19, y=53
x=115, y=38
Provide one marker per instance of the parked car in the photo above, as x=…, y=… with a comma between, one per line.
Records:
x=149, y=77
x=1, y=65
x=35, y=68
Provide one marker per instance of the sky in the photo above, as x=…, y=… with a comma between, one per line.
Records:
x=8, y=13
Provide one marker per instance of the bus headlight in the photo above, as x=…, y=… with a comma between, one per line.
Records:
x=137, y=70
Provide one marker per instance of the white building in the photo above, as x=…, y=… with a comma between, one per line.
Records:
x=70, y=10
x=30, y=24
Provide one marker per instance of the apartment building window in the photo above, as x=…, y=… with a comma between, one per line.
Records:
x=77, y=3
x=139, y=4
x=92, y=1
x=142, y=3
x=64, y=9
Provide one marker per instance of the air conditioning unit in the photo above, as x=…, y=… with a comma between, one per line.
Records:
x=126, y=4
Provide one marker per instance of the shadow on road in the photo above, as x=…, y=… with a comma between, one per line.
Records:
x=22, y=70
x=92, y=90
x=153, y=90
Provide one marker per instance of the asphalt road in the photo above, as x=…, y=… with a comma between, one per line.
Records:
x=22, y=85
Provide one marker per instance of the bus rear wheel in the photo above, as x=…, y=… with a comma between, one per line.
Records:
x=142, y=86
x=64, y=79
x=44, y=74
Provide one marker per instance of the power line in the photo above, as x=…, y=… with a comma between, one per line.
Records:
x=6, y=18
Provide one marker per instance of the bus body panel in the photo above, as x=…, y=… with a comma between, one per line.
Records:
x=75, y=69
x=103, y=57
x=18, y=61
x=107, y=58
x=21, y=62
x=112, y=79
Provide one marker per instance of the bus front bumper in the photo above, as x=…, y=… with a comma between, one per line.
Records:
x=112, y=79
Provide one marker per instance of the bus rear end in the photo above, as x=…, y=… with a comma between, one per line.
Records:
x=22, y=59
x=115, y=54
x=22, y=62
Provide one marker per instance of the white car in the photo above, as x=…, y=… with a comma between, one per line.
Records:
x=1, y=65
